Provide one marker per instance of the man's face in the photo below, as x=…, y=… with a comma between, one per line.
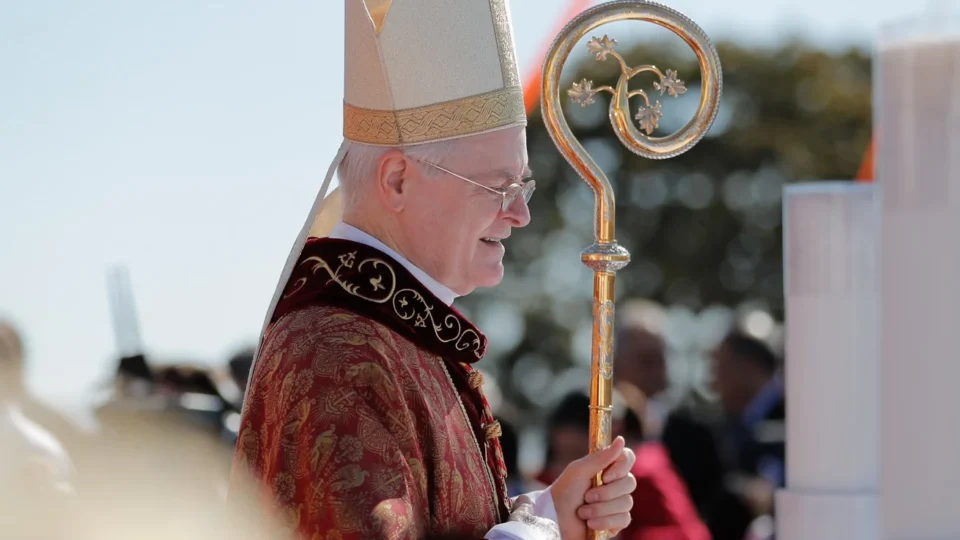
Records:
x=458, y=227
x=727, y=382
x=721, y=375
x=569, y=444
x=640, y=361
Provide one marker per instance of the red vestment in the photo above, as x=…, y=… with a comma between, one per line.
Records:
x=364, y=418
x=662, y=508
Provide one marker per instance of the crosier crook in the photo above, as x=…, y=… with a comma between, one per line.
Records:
x=605, y=257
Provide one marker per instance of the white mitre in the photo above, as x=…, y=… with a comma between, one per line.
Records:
x=415, y=72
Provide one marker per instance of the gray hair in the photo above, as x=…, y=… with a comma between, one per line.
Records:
x=642, y=314
x=639, y=316
x=359, y=165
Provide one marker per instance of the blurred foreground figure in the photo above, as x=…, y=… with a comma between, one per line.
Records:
x=158, y=474
x=149, y=472
x=36, y=473
x=364, y=417
x=157, y=466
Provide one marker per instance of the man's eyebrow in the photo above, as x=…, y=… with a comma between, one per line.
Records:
x=511, y=173
x=508, y=175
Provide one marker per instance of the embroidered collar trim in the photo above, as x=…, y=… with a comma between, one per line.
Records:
x=368, y=282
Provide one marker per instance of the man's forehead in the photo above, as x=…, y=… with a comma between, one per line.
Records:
x=501, y=154
x=498, y=169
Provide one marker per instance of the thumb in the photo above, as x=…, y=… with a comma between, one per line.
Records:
x=591, y=464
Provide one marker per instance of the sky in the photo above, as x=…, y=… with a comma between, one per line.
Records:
x=186, y=140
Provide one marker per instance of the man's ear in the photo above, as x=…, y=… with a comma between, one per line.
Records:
x=391, y=179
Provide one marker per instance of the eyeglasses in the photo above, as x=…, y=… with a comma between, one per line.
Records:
x=509, y=193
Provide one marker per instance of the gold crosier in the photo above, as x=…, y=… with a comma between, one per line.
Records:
x=605, y=257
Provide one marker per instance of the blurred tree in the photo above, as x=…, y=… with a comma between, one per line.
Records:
x=703, y=228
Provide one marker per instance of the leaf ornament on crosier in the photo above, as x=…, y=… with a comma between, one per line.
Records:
x=582, y=93
x=648, y=115
x=602, y=47
x=670, y=84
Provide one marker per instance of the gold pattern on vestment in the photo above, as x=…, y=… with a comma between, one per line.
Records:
x=447, y=120
x=480, y=452
x=492, y=430
x=322, y=448
x=369, y=441
x=476, y=379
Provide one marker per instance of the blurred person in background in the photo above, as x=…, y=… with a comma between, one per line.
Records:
x=568, y=435
x=691, y=436
x=745, y=377
x=640, y=363
x=517, y=484
x=364, y=416
x=239, y=366
x=662, y=507
x=685, y=424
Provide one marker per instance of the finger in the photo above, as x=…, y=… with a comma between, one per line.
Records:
x=615, y=522
x=631, y=457
x=620, y=505
x=618, y=470
x=591, y=464
x=608, y=492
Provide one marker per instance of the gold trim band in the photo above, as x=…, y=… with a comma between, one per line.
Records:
x=501, y=28
x=448, y=120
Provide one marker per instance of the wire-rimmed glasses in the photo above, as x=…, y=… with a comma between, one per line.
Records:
x=509, y=193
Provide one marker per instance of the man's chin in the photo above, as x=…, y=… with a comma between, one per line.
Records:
x=487, y=279
x=493, y=277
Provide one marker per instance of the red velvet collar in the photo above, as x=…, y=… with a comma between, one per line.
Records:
x=370, y=283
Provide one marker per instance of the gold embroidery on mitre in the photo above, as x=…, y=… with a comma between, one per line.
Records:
x=501, y=29
x=456, y=118
x=377, y=9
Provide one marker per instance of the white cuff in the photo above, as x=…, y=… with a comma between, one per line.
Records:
x=533, y=517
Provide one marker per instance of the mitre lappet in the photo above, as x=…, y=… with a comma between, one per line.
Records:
x=416, y=72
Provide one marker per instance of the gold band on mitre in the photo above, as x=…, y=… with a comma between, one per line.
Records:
x=436, y=122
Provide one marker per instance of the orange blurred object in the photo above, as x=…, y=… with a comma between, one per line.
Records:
x=865, y=174
x=531, y=92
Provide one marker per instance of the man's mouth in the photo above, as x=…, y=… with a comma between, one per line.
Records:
x=492, y=239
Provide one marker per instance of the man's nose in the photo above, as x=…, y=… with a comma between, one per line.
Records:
x=518, y=212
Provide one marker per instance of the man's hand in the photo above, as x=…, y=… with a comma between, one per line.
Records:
x=606, y=507
x=758, y=493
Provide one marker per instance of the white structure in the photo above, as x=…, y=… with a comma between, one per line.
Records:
x=917, y=117
x=832, y=365
x=873, y=448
